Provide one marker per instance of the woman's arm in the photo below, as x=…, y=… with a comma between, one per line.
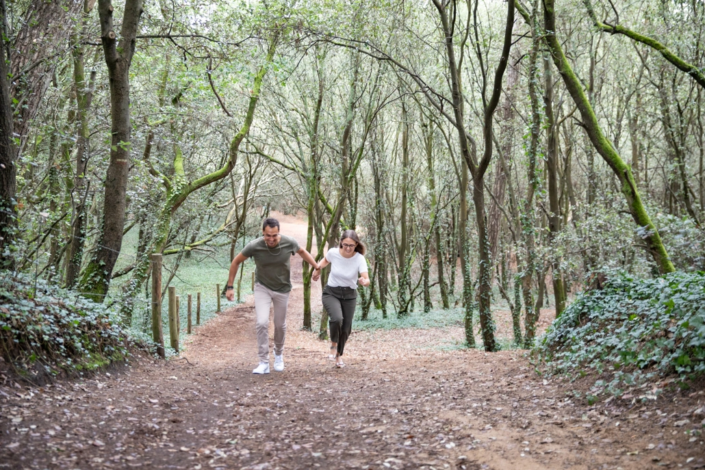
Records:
x=364, y=279
x=321, y=265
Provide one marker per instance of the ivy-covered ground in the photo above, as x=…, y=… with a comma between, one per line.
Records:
x=631, y=334
x=47, y=332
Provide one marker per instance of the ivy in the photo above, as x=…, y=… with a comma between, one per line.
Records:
x=47, y=331
x=632, y=329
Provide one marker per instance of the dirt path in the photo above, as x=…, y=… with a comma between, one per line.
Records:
x=396, y=405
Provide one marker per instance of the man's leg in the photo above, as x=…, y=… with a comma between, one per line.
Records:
x=281, y=301
x=263, y=301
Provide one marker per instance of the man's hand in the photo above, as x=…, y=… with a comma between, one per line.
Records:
x=363, y=281
x=230, y=294
x=316, y=274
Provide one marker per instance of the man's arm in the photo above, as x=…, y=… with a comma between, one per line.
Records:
x=308, y=258
x=239, y=259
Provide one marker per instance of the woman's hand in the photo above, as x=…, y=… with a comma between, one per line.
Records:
x=316, y=274
x=364, y=281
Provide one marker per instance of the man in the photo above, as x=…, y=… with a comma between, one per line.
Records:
x=271, y=253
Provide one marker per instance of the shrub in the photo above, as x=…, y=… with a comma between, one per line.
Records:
x=632, y=329
x=55, y=330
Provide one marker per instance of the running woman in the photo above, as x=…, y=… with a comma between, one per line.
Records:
x=348, y=268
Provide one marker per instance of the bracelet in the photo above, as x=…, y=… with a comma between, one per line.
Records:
x=228, y=287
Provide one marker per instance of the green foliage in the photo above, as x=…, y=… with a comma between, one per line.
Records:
x=633, y=330
x=47, y=331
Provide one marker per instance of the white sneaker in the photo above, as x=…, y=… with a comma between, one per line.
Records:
x=279, y=363
x=262, y=368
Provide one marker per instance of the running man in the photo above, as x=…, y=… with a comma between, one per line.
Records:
x=272, y=253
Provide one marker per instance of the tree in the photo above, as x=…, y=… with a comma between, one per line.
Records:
x=118, y=57
x=603, y=146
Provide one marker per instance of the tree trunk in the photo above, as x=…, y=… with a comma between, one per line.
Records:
x=554, y=220
x=701, y=147
x=434, y=229
x=478, y=168
x=312, y=178
x=403, y=248
x=528, y=221
x=8, y=170
x=84, y=97
x=675, y=135
x=465, y=268
x=96, y=278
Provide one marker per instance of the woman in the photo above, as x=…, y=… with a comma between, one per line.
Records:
x=348, y=267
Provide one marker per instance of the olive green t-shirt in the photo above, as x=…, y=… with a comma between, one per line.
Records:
x=272, y=264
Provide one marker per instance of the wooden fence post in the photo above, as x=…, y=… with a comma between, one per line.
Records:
x=178, y=315
x=198, y=308
x=217, y=296
x=173, y=328
x=157, y=334
x=188, y=328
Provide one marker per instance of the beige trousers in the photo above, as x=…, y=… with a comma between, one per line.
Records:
x=264, y=299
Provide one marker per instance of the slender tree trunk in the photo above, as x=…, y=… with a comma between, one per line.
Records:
x=554, y=221
x=528, y=217
x=403, y=248
x=84, y=97
x=465, y=267
x=478, y=168
x=8, y=170
x=118, y=57
x=435, y=227
x=380, y=250
x=701, y=147
x=313, y=182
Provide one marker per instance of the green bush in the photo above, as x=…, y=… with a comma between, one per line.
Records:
x=47, y=331
x=632, y=330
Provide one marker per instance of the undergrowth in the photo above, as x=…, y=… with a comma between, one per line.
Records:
x=631, y=332
x=47, y=331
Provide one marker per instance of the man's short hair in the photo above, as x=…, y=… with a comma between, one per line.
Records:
x=271, y=222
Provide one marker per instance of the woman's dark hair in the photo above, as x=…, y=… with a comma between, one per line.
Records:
x=270, y=222
x=360, y=248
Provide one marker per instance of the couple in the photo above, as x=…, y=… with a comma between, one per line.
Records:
x=272, y=253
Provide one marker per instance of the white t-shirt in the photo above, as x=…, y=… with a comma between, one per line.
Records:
x=344, y=272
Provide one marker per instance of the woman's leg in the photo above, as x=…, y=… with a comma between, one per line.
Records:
x=335, y=313
x=348, y=307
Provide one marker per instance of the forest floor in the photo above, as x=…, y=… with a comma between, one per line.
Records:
x=402, y=401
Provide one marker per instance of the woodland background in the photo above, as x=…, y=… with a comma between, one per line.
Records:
x=488, y=152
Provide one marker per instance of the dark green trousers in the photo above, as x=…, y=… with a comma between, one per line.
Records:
x=340, y=303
